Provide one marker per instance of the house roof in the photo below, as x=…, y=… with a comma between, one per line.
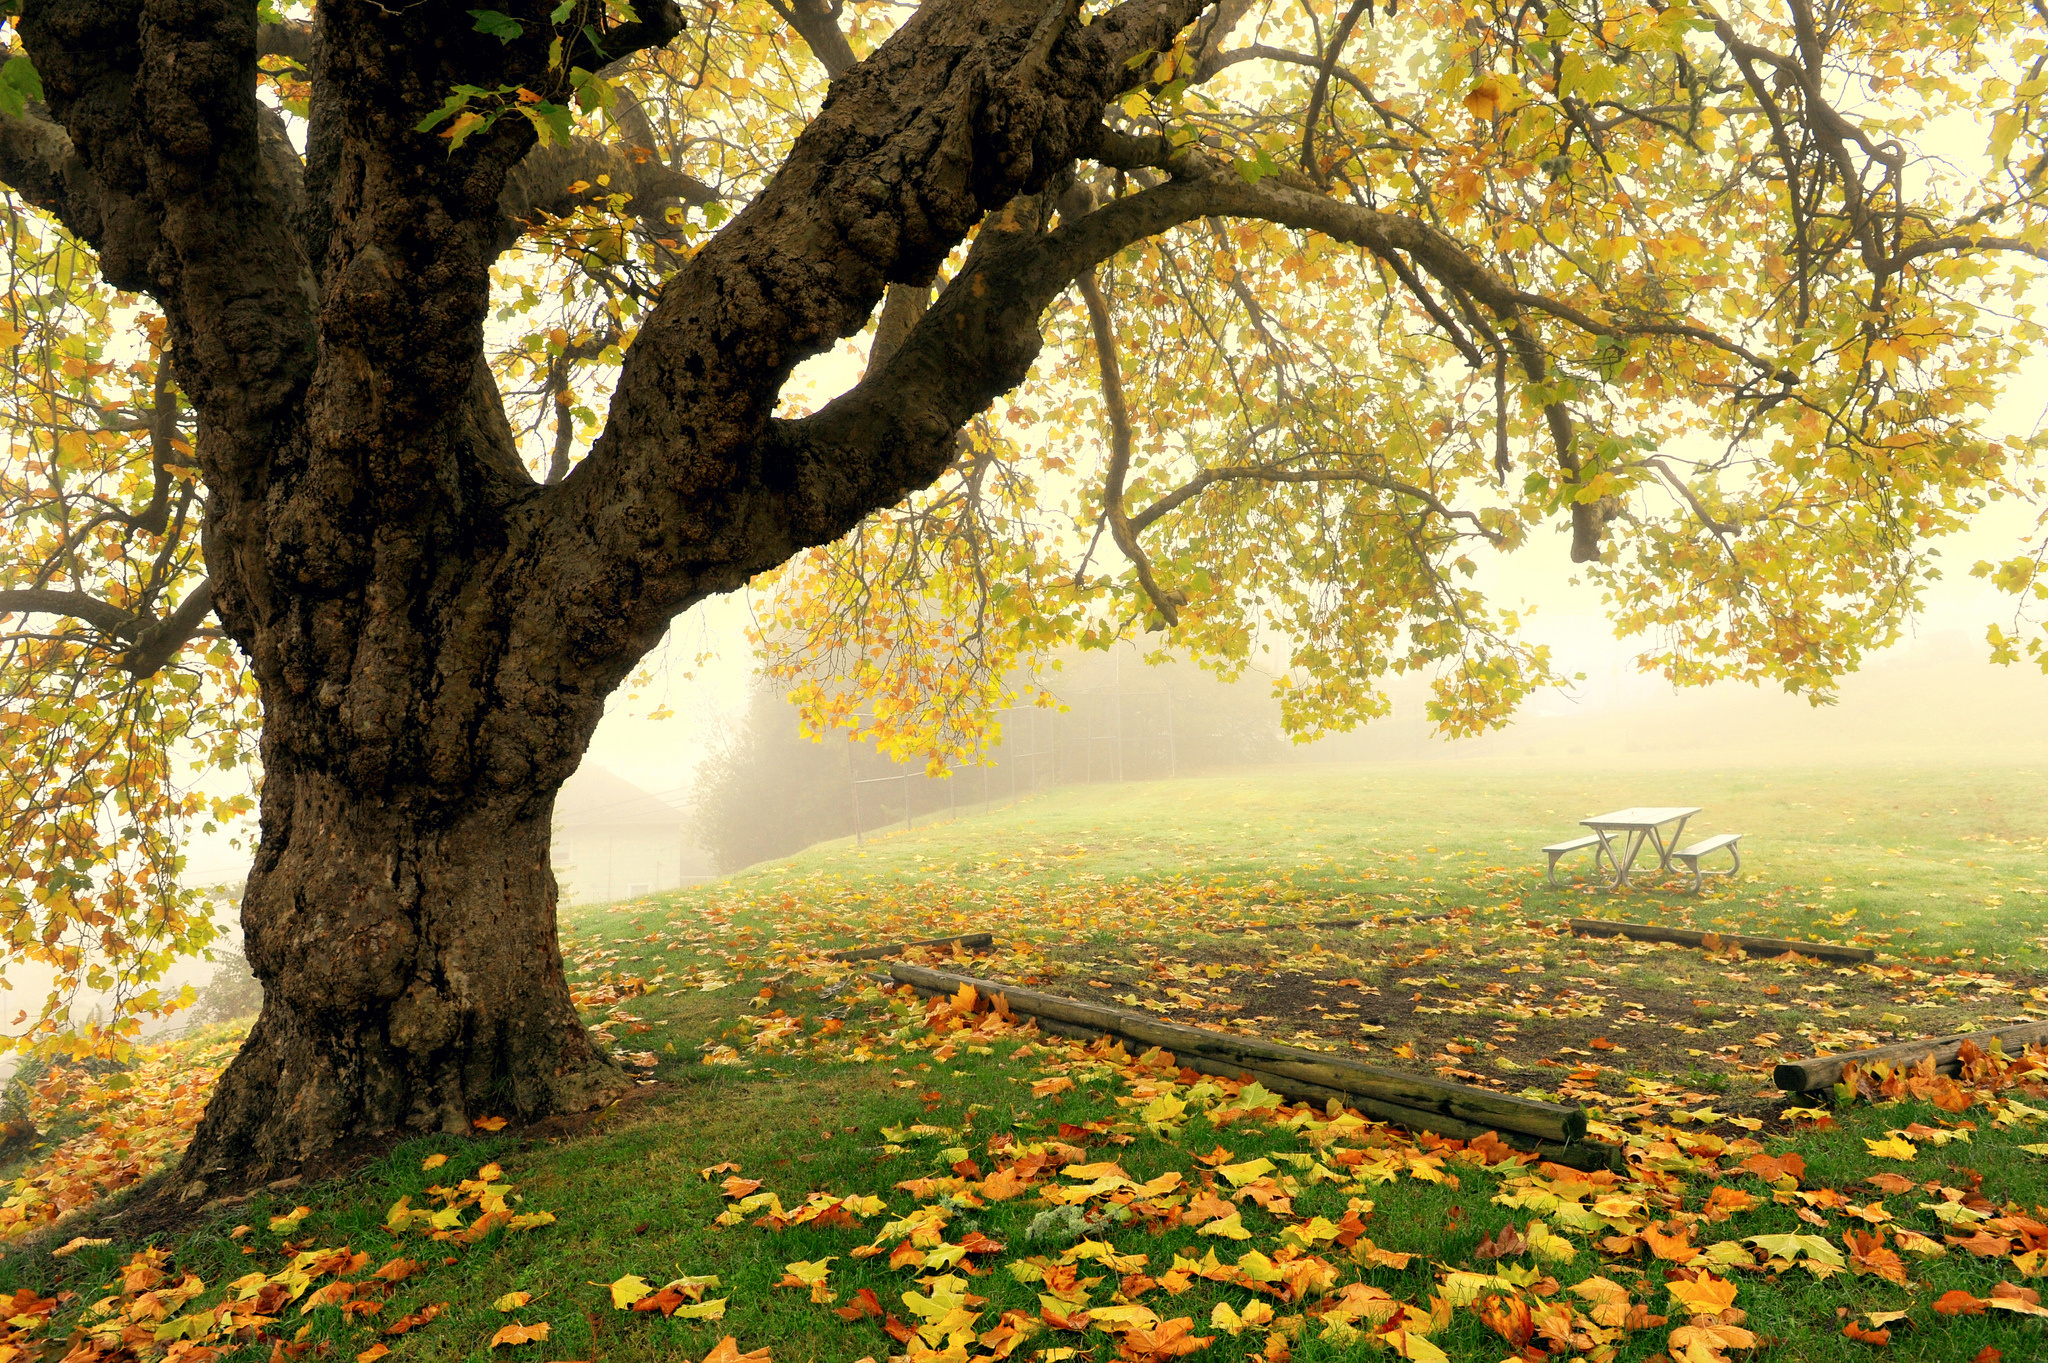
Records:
x=596, y=798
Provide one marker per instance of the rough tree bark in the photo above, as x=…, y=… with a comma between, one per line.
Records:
x=434, y=632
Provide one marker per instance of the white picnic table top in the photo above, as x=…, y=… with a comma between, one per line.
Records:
x=1640, y=817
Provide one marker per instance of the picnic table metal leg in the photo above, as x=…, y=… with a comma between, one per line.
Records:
x=1628, y=859
x=1677, y=836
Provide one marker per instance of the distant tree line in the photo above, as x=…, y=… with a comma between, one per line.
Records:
x=767, y=790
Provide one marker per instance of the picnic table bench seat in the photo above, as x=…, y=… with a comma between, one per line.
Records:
x=1559, y=849
x=1691, y=856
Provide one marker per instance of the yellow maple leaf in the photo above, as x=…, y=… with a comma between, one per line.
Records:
x=1892, y=1147
x=626, y=1290
x=1705, y=1295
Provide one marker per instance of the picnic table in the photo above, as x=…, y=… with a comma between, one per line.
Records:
x=1638, y=826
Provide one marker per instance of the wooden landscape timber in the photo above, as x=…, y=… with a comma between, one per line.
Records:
x=1416, y=1101
x=1754, y=946
x=971, y=941
x=1824, y=1071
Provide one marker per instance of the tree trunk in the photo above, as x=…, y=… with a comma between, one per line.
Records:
x=433, y=630
x=411, y=980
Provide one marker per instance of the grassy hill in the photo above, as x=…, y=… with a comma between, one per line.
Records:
x=828, y=1171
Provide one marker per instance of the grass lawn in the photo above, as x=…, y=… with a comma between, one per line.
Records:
x=943, y=1142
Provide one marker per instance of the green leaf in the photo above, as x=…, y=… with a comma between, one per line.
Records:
x=553, y=122
x=19, y=84
x=457, y=99
x=1258, y=168
x=593, y=91
x=499, y=25
x=562, y=11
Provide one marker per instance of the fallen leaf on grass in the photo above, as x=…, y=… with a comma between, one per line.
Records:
x=1867, y=1254
x=1705, y=1295
x=290, y=1220
x=416, y=1319
x=1892, y=1147
x=520, y=1334
x=72, y=1246
x=1509, y=1244
x=1231, y=1227
x=433, y=1161
x=705, y=1310
x=1983, y=1244
x=1169, y=1339
x=727, y=1350
x=1879, y=1338
x=864, y=1303
x=512, y=1301
x=1958, y=1303
x=373, y=1353
x=493, y=1124
x=626, y=1290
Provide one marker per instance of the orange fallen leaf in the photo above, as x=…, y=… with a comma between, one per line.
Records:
x=492, y=1124
x=727, y=1350
x=1982, y=1243
x=1601, y=1043
x=1958, y=1303
x=1724, y=1202
x=1506, y=1246
x=1877, y=1338
x=1867, y=1254
x=373, y=1353
x=864, y=1303
x=416, y=1319
x=520, y=1334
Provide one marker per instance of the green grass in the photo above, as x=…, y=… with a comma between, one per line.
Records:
x=1174, y=862
x=1937, y=857
x=631, y=1201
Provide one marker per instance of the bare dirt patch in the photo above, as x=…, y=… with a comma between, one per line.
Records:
x=1631, y=1029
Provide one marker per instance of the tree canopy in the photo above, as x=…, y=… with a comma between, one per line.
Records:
x=408, y=370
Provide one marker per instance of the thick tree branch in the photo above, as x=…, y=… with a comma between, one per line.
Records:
x=818, y=25
x=151, y=643
x=291, y=39
x=543, y=183
x=962, y=109
x=159, y=641
x=981, y=336
x=104, y=616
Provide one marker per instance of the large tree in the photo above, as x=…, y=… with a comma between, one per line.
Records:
x=1317, y=275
